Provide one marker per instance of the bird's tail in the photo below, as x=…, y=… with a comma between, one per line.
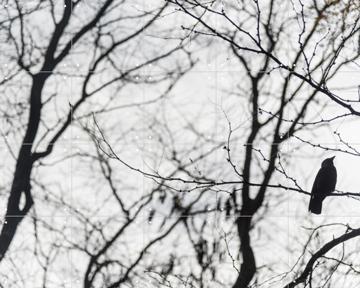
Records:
x=315, y=205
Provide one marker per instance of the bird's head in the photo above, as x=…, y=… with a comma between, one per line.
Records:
x=328, y=162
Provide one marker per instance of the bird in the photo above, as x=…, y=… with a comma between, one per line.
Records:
x=324, y=184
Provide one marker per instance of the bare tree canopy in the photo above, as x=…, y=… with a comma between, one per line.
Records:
x=178, y=143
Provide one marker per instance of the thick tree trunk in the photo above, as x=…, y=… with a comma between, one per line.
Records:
x=21, y=181
x=248, y=266
x=14, y=215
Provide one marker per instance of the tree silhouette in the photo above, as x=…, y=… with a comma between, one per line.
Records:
x=43, y=57
x=190, y=133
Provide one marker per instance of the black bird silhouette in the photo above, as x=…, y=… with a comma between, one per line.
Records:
x=324, y=184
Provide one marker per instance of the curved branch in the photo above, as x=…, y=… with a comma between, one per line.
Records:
x=320, y=253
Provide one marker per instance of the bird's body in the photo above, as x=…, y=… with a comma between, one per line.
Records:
x=324, y=184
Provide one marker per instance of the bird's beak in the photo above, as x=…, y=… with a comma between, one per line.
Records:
x=332, y=158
